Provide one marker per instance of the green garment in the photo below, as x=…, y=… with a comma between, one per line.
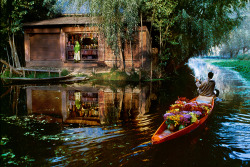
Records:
x=77, y=47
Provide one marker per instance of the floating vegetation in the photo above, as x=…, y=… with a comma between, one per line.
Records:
x=8, y=158
x=33, y=127
x=50, y=137
x=4, y=141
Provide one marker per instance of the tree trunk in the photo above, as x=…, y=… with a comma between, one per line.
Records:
x=141, y=42
x=231, y=54
x=131, y=50
x=160, y=41
x=245, y=49
x=236, y=53
x=122, y=59
x=151, y=70
x=14, y=55
x=121, y=51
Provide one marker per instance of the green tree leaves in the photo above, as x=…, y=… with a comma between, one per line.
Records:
x=12, y=14
x=197, y=26
x=118, y=18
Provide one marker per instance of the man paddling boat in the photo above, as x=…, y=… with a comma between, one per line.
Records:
x=186, y=115
x=206, y=89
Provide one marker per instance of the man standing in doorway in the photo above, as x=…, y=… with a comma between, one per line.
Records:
x=77, y=49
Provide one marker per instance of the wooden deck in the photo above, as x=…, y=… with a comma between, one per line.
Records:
x=28, y=70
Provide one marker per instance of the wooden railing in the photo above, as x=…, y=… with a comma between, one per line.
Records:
x=24, y=70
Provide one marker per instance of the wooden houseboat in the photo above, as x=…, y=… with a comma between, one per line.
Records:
x=50, y=43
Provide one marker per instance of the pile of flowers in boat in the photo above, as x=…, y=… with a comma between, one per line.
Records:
x=185, y=112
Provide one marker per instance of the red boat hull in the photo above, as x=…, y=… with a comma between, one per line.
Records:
x=161, y=136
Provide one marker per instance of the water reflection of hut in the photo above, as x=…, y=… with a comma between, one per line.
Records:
x=86, y=104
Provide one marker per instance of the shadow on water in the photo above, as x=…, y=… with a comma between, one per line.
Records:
x=93, y=124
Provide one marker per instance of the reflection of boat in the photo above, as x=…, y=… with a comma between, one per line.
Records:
x=162, y=134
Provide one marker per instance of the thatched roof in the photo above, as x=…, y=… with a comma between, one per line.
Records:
x=70, y=20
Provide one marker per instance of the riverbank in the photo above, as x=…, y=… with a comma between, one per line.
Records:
x=241, y=66
x=97, y=73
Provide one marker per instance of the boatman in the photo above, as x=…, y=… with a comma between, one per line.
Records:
x=206, y=88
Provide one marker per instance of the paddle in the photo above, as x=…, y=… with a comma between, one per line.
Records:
x=195, y=78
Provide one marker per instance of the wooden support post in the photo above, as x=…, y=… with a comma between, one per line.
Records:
x=34, y=74
x=23, y=73
x=140, y=74
x=10, y=72
x=151, y=70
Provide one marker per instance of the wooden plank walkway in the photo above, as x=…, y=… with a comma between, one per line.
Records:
x=24, y=70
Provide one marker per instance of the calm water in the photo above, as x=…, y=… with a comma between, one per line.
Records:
x=89, y=124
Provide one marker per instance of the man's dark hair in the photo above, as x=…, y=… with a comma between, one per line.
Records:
x=210, y=75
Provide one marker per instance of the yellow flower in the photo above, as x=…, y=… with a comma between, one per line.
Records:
x=194, y=118
x=175, y=118
x=177, y=110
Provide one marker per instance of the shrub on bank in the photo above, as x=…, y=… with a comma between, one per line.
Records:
x=115, y=75
x=64, y=72
x=243, y=57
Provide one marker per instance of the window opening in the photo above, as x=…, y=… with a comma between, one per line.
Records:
x=88, y=42
x=83, y=104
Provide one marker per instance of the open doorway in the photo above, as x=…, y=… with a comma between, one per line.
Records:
x=89, y=46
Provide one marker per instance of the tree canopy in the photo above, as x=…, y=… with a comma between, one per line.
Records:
x=182, y=28
x=238, y=40
x=185, y=28
x=13, y=14
x=193, y=27
x=118, y=19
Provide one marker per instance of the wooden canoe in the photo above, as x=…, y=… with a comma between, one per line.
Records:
x=161, y=135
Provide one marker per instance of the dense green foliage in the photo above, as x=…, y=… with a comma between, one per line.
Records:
x=179, y=28
x=13, y=14
x=238, y=39
x=11, y=17
x=116, y=75
x=244, y=57
x=118, y=20
x=182, y=28
x=196, y=27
